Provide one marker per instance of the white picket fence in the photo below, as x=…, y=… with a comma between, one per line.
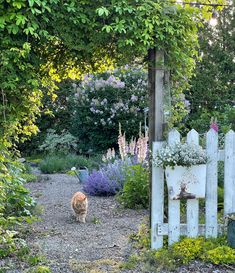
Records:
x=174, y=228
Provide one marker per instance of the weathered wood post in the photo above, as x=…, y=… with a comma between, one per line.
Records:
x=156, y=121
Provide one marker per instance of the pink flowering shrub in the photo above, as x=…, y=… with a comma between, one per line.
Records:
x=103, y=101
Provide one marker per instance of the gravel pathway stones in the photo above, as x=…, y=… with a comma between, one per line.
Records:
x=100, y=245
x=70, y=246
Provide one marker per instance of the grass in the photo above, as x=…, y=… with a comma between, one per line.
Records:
x=97, y=266
x=63, y=163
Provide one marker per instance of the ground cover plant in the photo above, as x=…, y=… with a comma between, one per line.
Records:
x=212, y=250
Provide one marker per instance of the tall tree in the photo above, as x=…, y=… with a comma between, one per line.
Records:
x=213, y=89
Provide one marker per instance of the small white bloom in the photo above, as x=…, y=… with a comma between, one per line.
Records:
x=73, y=169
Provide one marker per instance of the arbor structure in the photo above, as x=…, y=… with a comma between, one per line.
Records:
x=43, y=39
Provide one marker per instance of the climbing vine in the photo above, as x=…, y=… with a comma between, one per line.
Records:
x=42, y=40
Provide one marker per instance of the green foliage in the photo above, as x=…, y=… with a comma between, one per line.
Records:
x=10, y=243
x=15, y=199
x=41, y=41
x=40, y=269
x=22, y=33
x=102, y=102
x=15, y=206
x=60, y=163
x=142, y=237
x=29, y=177
x=54, y=143
x=220, y=198
x=220, y=255
x=188, y=249
x=201, y=120
x=135, y=193
x=212, y=92
x=168, y=258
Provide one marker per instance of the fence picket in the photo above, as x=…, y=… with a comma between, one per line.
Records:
x=211, y=183
x=157, y=201
x=173, y=205
x=192, y=204
x=229, y=174
x=174, y=228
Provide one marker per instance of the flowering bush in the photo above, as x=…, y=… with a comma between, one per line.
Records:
x=55, y=143
x=180, y=155
x=105, y=100
x=108, y=180
x=137, y=150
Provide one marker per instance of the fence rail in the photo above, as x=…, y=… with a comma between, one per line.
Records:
x=174, y=228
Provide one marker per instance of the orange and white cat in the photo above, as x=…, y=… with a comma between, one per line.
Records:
x=79, y=204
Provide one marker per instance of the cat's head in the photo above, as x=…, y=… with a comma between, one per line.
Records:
x=80, y=196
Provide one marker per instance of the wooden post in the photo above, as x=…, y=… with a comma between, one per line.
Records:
x=156, y=120
x=156, y=89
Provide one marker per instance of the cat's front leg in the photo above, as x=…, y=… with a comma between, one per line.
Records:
x=82, y=218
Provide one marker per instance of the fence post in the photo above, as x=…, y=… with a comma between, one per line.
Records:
x=173, y=205
x=192, y=204
x=211, y=183
x=157, y=201
x=229, y=173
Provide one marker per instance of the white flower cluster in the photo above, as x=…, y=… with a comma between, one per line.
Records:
x=180, y=155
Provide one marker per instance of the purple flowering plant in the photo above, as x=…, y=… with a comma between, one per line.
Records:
x=102, y=101
x=108, y=180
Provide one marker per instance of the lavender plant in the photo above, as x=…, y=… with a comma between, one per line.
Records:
x=108, y=180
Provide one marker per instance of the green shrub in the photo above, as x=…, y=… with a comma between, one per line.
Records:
x=102, y=101
x=54, y=143
x=28, y=177
x=213, y=250
x=220, y=255
x=14, y=197
x=188, y=249
x=168, y=258
x=61, y=164
x=135, y=193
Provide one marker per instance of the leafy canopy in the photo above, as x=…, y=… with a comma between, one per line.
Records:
x=42, y=40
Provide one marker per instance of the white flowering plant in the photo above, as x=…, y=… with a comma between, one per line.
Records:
x=180, y=155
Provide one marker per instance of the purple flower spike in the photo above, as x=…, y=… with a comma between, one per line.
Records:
x=214, y=126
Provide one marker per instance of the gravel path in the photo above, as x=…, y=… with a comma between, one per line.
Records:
x=69, y=245
x=100, y=245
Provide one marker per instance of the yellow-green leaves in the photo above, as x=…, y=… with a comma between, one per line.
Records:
x=102, y=11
